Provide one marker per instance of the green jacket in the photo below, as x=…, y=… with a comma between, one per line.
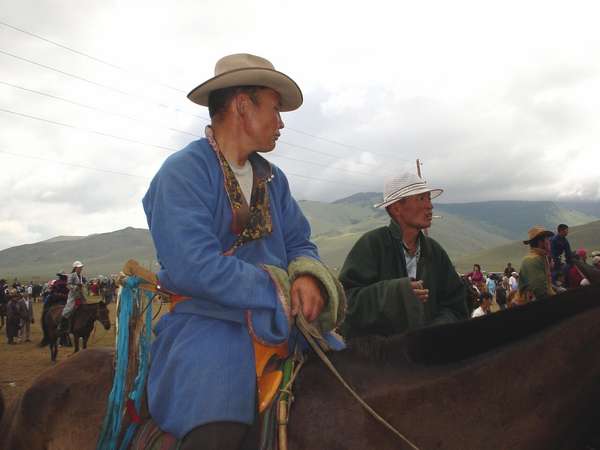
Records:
x=534, y=275
x=380, y=299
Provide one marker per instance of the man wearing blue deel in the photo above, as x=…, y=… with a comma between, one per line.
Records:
x=229, y=236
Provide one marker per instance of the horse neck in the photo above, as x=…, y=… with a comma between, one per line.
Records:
x=88, y=314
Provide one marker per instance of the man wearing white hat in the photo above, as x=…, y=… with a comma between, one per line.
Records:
x=222, y=218
x=396, y=278
x=75, y=286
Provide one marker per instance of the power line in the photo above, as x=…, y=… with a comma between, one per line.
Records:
x=133, y=141
x=145, y=121
x=80, y=166
x=100, y=133
x=115, y=66
x=95, y=83
x=279, y=155
x=93, y=108
x=331, y=141
x=101, y=61
x=77, y=77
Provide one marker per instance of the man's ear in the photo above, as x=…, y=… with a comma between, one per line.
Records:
x=240, y=102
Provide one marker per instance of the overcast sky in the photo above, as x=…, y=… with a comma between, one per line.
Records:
x=500, y=100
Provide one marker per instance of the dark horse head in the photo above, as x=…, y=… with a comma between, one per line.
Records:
x=102, y=315
x=83, y=321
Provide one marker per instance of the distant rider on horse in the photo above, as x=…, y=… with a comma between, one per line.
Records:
x=75, y=296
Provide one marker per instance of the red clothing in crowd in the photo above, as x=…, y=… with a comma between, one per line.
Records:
x=574, y=277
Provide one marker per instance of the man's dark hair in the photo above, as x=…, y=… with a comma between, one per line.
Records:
x=219, y=100
x=533, y=243
x=562, y=227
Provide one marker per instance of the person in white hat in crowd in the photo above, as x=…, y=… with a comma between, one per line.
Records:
x=75, y=286
x=396, y=278
x=223, y=221
x=513, y=282
x=535, y=280
x=596, y=261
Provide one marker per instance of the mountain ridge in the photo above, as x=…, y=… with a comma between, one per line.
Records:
x=468, y=231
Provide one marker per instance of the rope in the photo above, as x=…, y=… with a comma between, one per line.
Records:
x=307, y=331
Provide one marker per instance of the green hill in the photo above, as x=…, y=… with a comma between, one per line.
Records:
x=470, y=232
x=464, y=228
x=512, y=219
x=102, y=253
x=494, y=260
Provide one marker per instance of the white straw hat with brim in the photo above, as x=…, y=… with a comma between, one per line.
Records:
x=77, y=264
x=405, y=185
x=243, y=69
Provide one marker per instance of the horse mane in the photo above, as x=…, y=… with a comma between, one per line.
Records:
x=93, y=304
x=458, y=341
x=385, y=349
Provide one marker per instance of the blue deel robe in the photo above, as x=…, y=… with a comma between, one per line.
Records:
x=202, y=366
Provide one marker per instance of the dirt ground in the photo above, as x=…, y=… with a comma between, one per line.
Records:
x=20, y=364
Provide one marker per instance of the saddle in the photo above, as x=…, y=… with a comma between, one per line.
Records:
x=268, y=359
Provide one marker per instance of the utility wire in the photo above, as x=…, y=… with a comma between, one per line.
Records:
x=100, y=133
x=87, y=55
x=93, y=108
x=167, y=128
x=104, y=86
x=326, y=166
x=80, y=166
x=331, y=141
x=115, y=66
x=148, y=100
x=133, y=141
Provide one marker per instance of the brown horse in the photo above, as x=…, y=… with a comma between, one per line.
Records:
x=82, y=324
x=2, y=314
x=526, y=378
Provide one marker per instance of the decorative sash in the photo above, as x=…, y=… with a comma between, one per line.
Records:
x=252, y=222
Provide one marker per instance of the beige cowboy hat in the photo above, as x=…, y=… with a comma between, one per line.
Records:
x=537, y=231
x=243, y=69
x=405, y=185
x=77, y=264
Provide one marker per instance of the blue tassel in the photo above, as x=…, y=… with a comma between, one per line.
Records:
x=111, y=426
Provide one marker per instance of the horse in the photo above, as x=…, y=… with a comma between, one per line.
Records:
x=82, y=324
x=525, y=378
x=2, y=314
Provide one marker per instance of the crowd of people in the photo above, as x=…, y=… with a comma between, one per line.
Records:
x=548, y=268
x=67, y=290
